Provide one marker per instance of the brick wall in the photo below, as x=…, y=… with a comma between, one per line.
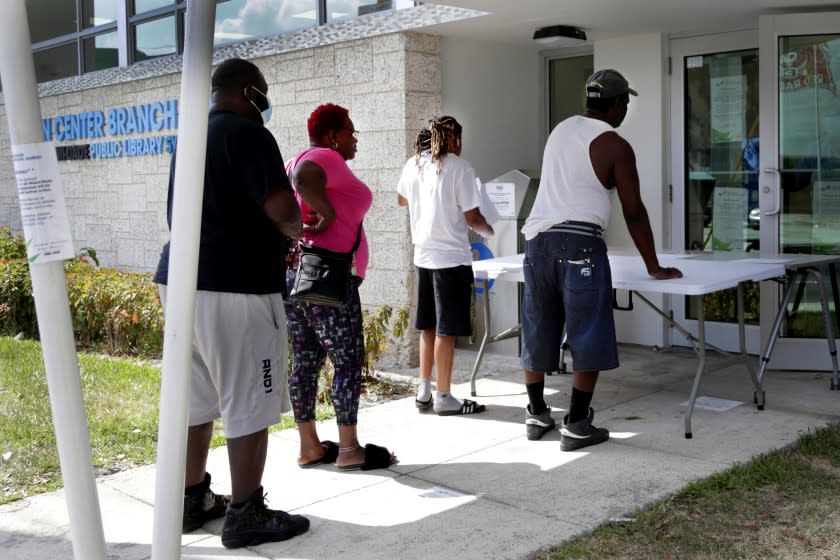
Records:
x=391, y=85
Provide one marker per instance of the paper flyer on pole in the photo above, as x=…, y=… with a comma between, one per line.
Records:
x=42, y=209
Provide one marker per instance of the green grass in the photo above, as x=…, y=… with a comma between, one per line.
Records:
x=782, y=505
x=121, y=401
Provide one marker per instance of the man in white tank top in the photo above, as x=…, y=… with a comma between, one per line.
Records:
x=567, y=272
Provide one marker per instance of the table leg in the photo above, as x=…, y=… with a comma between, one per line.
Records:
x=701, y=356
x=829, y=330
x=486, y=313
x=679, y=328
x=742, y=344
x=563, y=347
x=758, y=397
x=832, y=275
x=800, y=292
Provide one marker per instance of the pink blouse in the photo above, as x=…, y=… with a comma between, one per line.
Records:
x=351, y=199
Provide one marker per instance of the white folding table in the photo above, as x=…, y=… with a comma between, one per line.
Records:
x=798, y=267
x=700, y=277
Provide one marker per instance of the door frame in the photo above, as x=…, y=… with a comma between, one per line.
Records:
x=789, y=353
x=545, y=107
x=722, y=335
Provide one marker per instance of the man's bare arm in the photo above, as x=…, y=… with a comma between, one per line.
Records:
x=634, y=211
x=282, y=209
x=401, y=200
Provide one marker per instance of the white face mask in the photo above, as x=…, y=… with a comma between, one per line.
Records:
x=265, y=113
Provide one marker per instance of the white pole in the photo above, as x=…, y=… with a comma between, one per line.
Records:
x=183, y=270
x=23, y=112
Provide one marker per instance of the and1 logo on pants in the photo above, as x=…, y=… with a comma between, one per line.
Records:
x=266, y=376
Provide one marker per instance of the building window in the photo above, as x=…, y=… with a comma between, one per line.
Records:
x=158, y=37
x=100, y=52
x=141, y=6
x=340, y=10
x=56, y=62
x=98, y=12
x=240, y=20
x=75, y=36
x=49, y=19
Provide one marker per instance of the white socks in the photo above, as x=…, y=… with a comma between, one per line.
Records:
x=445, y=401
x=424, y=391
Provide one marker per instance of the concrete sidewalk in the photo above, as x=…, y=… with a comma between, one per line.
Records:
x=472, y=487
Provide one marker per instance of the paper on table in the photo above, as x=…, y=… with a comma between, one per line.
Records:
x=672, y=256
x=758, y=260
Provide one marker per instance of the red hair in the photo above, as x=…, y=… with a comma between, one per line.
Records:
x=325, y=118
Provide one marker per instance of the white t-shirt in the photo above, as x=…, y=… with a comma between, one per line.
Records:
x=569, y=188
x=436, y=206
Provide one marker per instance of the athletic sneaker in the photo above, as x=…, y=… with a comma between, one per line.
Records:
x=537, y=425
x=201, y=505
x=582, y=433
x=253, y=523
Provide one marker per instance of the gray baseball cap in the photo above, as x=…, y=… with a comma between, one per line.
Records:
x=607, y=83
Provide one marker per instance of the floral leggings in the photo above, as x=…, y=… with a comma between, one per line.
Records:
x=316, y=332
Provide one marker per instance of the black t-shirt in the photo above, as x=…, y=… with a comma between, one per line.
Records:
x=241, y=251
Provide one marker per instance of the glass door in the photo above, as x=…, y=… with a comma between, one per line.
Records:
x=715, y=170
x=800, y=168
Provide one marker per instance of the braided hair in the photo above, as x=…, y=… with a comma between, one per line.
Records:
x=445, y=138
x=422, y=144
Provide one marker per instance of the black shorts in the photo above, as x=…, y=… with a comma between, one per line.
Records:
x=444, y=296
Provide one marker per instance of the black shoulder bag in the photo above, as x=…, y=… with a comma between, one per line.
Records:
x=324, y=277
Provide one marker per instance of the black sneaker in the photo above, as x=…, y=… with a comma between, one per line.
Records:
x=537, y=425
x=201, y=505
x=253, y=523
x=581, y=434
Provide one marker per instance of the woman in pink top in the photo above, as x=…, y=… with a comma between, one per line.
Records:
x=333, y=204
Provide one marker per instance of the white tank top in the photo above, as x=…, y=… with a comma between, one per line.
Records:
x=569, y=188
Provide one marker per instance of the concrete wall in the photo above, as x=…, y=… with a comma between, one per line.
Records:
x=641, y=59
x=389, y=83
x=495, y=92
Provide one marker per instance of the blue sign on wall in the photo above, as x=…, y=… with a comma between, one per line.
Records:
x=103, y=126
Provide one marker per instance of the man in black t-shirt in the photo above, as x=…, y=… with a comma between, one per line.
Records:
x=239, y=356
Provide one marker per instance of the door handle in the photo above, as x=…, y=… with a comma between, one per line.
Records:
x=777, y=178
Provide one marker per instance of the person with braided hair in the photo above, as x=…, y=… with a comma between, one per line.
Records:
x=439, y=188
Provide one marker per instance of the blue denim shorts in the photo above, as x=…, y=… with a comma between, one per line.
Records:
x=568, y=284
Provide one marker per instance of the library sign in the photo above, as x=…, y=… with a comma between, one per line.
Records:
x=103, y=132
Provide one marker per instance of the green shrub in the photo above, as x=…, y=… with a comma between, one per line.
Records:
x=11, y=246
x=17, y=307
x=113, y=311
x=119, y=312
